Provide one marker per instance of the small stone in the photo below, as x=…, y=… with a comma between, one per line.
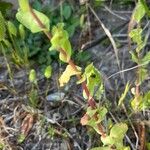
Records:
x=55, y=97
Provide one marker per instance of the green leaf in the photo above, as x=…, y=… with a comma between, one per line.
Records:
x=126, y=148
x=136, y=36
x=60, y=41
x=148, y=146
x=101, y=148
x=142, y=103
x=2, y=27
x=22, y=31
x=90, y=112
x=116, y=136
x=66, y=11
x=32, y=76
x=66, y=46
x=136, y=103
x=27, y=19
x=11, y=28
x=21, y=138
x=48, y=72
x=7, y=43
x=124, y=94
x=139, y=12
x=71, y=30
x=143, y=74
x=33, y=98
x=146, y=7
x=24, y=5
x=102, y=111
x=146, y=58
x=82, y=19
x=94, y=80
x=145, y=103
x=83, y=57
x=108, y=140
x=119, y=130
x=69, y=71
x=134, y=57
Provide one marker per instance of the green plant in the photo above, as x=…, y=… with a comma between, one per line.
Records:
x=36, y=21
x=139, y=101
x=3, y=41
x=14, y=44
x=89, y=78
x=37, y=44
x=33, y=94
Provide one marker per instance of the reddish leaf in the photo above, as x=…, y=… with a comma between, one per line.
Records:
x=27, y=124
x=84, y=120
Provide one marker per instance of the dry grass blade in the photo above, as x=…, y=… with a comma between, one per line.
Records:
x=108, y=34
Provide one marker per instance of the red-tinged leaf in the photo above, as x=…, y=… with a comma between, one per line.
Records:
x=27, y=124
x=84, y=120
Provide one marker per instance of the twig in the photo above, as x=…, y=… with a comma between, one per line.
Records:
x=129, y=69
x=116, y=15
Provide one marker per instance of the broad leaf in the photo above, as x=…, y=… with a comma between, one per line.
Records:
x=69, y=71
x=94, y=80
x=60, y=41
x=116, y=136
x=27, y=19
x=93, y=117
x=119, y=130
